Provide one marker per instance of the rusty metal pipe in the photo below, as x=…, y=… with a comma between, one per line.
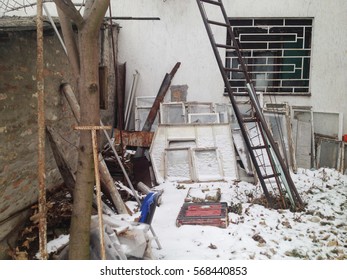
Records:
x=41, y=134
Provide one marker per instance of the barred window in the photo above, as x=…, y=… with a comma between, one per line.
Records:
x=277, y=52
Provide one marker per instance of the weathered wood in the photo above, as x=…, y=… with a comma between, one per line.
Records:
x=155, y=107
x=63, y=166
x=107, y=187
x=120, y=95
x=103, y=87
x=160, y=97
x=71, y=99
x=143, y=188
x=133, y=138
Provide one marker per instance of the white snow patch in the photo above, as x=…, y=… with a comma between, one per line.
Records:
x=319, y=232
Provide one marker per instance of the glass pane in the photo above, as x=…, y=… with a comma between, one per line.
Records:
x=177, y=165
x=203, y=118
x=207, y=165
x=172, y=113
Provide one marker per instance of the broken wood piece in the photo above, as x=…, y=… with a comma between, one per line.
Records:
x=121, y=165
x=105, y=174
x=69, y=94
x=71, y=99
x=120, y=95
x=133, y=138
x=63, y=166
x=155, y=107
x=143, y=188
x=103, y=87
x=160, y=97
x=125, y=188
x=109, y=186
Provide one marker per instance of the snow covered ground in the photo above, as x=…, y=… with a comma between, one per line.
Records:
x=255, y=232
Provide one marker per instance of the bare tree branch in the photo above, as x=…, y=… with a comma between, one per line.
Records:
x=70, y=11
x=87, y=8
x=70, y=42
x=95, y=14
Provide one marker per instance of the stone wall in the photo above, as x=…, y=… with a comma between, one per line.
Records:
x=18, y=119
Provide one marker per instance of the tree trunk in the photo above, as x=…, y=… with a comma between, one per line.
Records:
x=85, y=178
x=88, y=78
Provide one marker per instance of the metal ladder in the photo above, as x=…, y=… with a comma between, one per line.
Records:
x=264, y=152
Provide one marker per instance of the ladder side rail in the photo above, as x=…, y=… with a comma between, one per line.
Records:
x=255, y=101
x=274, y=147
x=278, y=178
x=235, y=44
x=232, y=100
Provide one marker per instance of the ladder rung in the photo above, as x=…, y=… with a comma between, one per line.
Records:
x=240, y=94
x=258, y=156
x=255, y=136
x=225, y=46
x=211, y=2
x=247, y=120
x=253, y=127
x=218, y=23
x=234, y=70
x=259, y=147
x=271, y=176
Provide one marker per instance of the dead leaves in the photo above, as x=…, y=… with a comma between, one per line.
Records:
x=212, y=246
x=258, y=238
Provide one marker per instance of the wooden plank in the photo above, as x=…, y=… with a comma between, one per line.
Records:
x=160, y=97
x=120, y=95
x=134, y=138
x=103, y=87
x=63, y=166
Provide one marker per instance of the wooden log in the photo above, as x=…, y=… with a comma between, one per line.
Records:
x=143, y=188
x=109, y=186
x=71, y=99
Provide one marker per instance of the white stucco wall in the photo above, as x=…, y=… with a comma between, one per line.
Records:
x=153, y=47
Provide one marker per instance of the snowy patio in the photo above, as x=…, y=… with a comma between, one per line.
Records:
x=255, y=232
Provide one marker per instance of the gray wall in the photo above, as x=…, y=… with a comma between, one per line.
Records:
x=18, y=120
